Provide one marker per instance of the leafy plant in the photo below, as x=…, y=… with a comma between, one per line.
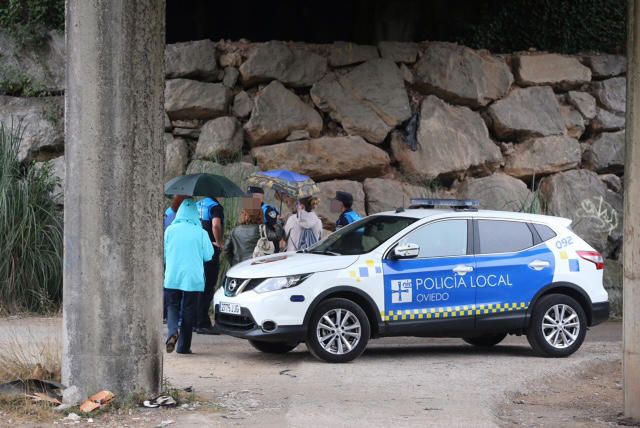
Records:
x=31, y=227
x=16, y=83
x=567, y=26
x=28, y=21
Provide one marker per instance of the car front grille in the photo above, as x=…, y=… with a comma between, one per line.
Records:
x=244, y=321
x=235, y=286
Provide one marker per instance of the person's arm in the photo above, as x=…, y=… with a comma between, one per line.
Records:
x=216, y=228
x=228, y=248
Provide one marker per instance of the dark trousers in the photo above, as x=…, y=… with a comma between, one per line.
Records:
x=211, y=270
x=181, y=305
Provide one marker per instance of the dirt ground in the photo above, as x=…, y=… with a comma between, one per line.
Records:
x=397, y=381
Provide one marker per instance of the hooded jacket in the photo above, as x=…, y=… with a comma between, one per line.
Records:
x=297, y=223
x=186, y=248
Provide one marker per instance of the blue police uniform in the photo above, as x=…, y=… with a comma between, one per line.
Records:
x=347, y=217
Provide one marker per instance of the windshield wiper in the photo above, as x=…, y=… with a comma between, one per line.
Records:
x=325, y=252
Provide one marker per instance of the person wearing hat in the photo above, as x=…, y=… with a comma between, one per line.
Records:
x=275, y=232
x=342, y=203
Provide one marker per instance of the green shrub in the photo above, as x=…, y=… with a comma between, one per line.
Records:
x=31, y=228
x=28, y=21
x=568, y=26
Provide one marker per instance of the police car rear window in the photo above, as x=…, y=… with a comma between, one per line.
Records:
x=545, y=232
x=503, y=236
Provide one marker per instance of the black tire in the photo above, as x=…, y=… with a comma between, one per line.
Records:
x=485, y=341
x=313, y=342
x=536, y=334
x=273, y=347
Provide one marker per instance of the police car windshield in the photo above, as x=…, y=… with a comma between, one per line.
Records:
x=362, y=236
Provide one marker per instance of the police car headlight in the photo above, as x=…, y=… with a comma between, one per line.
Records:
x=280, y=283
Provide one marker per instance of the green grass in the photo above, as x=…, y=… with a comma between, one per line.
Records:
x=31, y=227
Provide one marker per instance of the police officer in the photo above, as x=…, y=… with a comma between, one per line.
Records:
x=271, y=218
x=212, y=219
x=342, y=203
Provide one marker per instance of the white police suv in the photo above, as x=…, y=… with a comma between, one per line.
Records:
x=441, y=268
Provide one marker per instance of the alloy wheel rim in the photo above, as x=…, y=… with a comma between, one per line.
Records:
x=338, y=331
x=561, y=326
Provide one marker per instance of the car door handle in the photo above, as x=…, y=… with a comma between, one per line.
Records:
x=463, y=269
x=539, y=264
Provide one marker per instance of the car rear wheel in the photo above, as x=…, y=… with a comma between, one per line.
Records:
x=273, y=347
x=485, y=341
x=338, y=331
x=558, y=326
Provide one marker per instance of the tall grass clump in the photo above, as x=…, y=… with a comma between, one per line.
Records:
x=31, y=227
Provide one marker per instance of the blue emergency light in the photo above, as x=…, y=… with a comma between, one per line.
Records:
x=459, y=204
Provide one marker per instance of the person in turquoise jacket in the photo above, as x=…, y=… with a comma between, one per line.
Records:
x=186, y=248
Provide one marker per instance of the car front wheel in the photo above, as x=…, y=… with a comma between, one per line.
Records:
x=558, y=326
x=339, y=331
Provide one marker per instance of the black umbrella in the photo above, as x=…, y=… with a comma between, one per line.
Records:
x=203, y=184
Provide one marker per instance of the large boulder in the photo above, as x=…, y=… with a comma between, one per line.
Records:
x=277, y=113
x=346, y=53
x=606, y=153
x=450, y=140
x=605, y=121
x=385, y=194
x=369, y=101
x=325, y=158
x=581, y=196
x=559, y=71
x=584, y=102
x=528, y=112
x=405, y=52
x=328, y=192
x=611, y=93
x=606, y=65
x=196, y=60
x=43, y=65
x=237, y=172
x=176, y=156
x=190, y=99
x=41, y=122
x=220, y=140
x=498, y=192
x=462, y=75
x=276, y=61
x=543, y=156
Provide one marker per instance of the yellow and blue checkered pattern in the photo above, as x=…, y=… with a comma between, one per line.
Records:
x=453, y=311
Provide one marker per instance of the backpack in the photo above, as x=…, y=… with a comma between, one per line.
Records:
x=307, y=239
x=263, y=247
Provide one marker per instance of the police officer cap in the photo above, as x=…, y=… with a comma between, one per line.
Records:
x=344, y=197
x=253, y=189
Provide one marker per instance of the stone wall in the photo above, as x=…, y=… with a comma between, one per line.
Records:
x=528, y=131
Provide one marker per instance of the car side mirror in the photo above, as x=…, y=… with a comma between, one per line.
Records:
x=406, y=251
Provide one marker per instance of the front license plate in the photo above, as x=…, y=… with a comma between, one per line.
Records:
x=230, y=308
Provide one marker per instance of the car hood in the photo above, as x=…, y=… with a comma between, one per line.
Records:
x=284, y=264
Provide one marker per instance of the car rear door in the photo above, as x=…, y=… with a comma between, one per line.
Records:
x=512, y=264
x=432, y=293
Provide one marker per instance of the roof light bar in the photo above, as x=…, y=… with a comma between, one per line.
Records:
x=470, y=204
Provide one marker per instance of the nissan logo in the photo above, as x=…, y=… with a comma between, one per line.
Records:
x=232, y=285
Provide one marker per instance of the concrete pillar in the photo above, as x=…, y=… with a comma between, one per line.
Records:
x=631, y=246
x=113, y=199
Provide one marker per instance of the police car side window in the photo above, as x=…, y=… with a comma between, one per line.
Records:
x=502, y=236
x=545, y=232
x=440, y=239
